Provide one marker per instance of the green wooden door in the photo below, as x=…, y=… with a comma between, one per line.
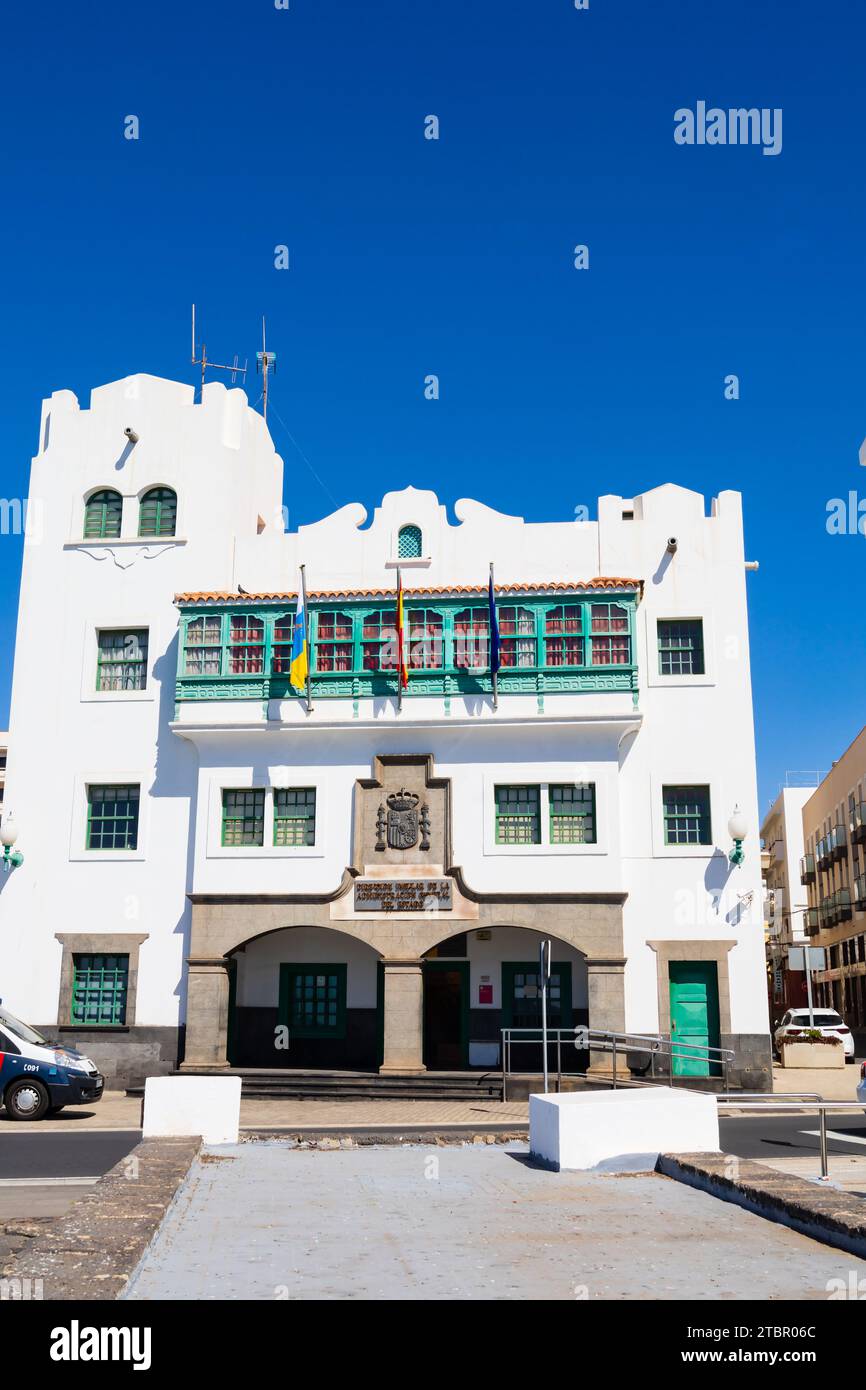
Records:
x=694, y=989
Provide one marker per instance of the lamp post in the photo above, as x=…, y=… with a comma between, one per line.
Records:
x=12, y=858
x=738, y=829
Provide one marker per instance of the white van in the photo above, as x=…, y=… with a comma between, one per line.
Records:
x=38, y=1077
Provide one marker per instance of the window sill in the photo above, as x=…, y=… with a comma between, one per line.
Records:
x=105, y=542
x=418, y=562
x=93, y=1028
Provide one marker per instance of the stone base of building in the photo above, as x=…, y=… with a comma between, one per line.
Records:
x=125, y=1056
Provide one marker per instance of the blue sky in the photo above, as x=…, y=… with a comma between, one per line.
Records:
x=304, y=127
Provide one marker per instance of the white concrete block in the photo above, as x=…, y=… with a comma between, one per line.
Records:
x=621, y=1130
x=205, y=1105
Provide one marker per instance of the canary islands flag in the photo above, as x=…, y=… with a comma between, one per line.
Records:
x=299, y=666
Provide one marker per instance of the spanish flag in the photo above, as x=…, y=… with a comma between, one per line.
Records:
x=401, y=645
x=299, y=666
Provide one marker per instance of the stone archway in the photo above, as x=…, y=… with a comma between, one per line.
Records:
x=592, y=924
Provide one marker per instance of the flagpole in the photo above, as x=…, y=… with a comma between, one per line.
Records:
x=490, y=641
x=399, y=643
x=307, y=635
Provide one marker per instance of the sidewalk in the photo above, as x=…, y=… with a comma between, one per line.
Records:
x=119, y=1111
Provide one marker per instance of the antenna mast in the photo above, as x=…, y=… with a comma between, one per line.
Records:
x=204, y=362
x=265, y=362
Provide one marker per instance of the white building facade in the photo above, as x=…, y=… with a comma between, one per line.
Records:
x=217, y=872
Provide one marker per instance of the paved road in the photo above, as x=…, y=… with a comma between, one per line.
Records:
x=476, y=1222
x=29, y=1153
x=787, y=1136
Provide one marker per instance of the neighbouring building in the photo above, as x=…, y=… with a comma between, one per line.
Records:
x=834, y=869
x=786, y=899
x=216, y=874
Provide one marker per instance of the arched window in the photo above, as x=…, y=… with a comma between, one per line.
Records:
x=102, y=514
x=158, y=512
x=409, y=541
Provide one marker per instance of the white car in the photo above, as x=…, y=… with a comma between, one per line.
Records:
x=827, y=1021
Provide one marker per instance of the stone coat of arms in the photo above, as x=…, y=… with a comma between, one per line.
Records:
x=401, y=822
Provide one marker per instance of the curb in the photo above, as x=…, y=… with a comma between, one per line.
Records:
x=822, y=1213
x=347, y=1137
x=92, y=1251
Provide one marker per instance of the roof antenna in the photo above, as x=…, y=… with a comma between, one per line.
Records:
x=265, y=362
x=204, y=362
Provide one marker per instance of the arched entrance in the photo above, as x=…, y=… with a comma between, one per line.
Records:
x=305, y=997
x=480, y=981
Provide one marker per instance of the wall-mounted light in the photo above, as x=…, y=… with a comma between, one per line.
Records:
x=12, y=858
x=738, y=829
x=131, y=434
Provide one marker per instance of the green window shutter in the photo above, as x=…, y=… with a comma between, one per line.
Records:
x=112, y=817
x=103, y=512
x=121, y=660
x=518, y=820
x=294, y=816
x=681, y=647
x=687, y=815
x=157, y=514
x=572, y=814
x=409, y=543
x=99, y=990
x=243, y=816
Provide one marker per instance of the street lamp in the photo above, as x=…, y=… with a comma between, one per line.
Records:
x=12, y=858
x=738, y=829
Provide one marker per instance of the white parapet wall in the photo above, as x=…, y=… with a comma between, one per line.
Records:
x=205, y=1105
x=621, y=1130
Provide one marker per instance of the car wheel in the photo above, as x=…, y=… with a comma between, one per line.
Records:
x=26, y=1100
x=850, y=1061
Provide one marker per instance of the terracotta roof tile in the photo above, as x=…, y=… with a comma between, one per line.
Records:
x=423, y=591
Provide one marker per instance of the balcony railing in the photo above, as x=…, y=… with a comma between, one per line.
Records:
x=860, y=892
x=807, y=868
x=842, y=905
x=857, y=823
x=822, y=852
x=838, y=842
x=811, y=924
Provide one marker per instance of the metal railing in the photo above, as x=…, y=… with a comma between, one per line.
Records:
x=619, y=1045
x=806, y=1101
x=654, y=1045
x=535, y=1038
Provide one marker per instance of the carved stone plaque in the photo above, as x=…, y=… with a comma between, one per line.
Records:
x=403, y=894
